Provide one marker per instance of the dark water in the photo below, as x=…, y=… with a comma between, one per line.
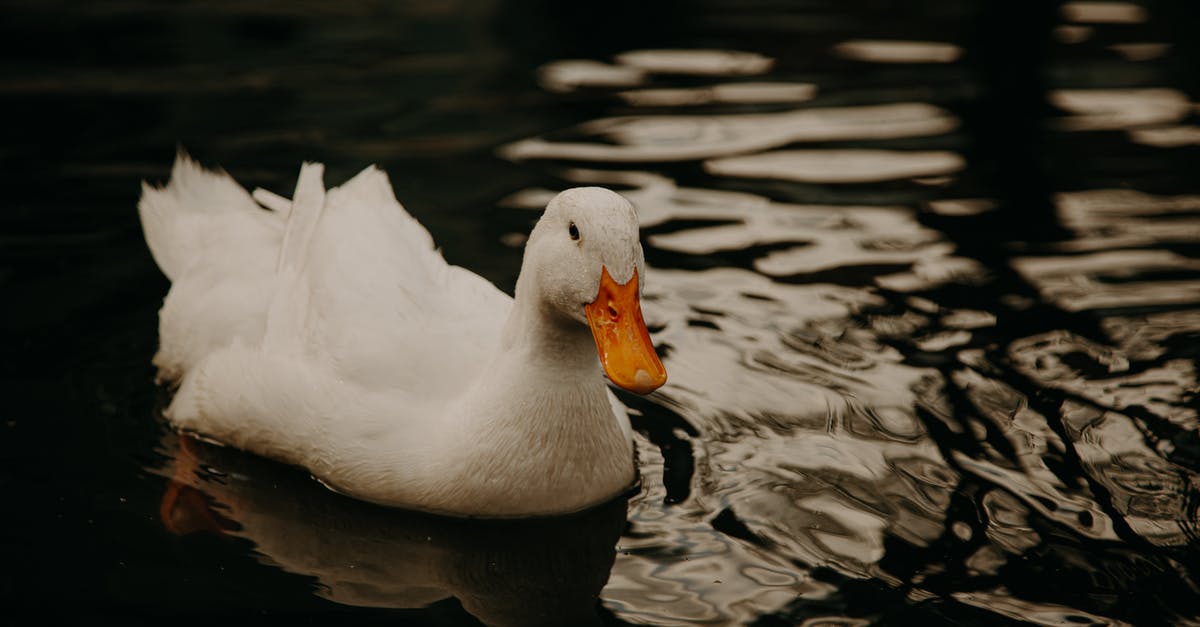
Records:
x=925, y=275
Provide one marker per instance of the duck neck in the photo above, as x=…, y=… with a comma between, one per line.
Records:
x=546, y=340
x=544, y=378
x=542, y=434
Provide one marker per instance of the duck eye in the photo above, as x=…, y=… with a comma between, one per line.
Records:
x=573, y=231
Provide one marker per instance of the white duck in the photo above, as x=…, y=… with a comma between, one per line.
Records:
x=327, y=332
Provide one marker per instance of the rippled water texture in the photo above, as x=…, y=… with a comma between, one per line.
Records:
x=926, y=282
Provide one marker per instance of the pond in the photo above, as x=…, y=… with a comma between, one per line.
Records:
x=925, y=276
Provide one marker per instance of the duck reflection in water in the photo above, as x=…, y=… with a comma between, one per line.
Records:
x=504, y=572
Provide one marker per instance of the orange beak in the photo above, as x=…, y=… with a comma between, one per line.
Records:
x=621, y=337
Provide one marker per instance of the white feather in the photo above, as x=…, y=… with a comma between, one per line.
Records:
x=328, y=332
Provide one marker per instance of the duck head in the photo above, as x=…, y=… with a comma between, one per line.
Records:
x=588, y=261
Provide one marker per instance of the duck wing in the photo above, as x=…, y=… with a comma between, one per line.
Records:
x=363, y=290
x=344, y=279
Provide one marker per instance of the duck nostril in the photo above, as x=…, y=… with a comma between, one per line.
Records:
x=612, y=312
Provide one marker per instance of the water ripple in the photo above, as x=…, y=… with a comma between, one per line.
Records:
x=894, y=51
x=685, y=138
x=837, y=166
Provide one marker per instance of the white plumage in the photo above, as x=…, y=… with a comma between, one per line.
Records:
x=327, y=332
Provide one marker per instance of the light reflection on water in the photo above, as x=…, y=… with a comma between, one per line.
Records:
x=1112, y=109
x=837, y=166
x=687, y=137
x=1103, y=12
x=885, y=51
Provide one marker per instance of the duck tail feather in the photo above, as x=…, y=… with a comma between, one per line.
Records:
x=307, y=204
x=289, y=305
x=192, y=201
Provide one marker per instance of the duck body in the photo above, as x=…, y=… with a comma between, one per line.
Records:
x=327, y=332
